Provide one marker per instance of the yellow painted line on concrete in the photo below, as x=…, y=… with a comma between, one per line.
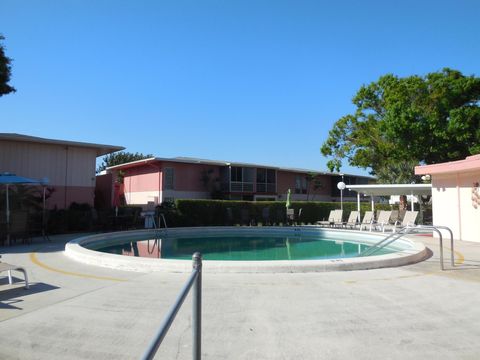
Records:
x=461, y=258
x=34, y=259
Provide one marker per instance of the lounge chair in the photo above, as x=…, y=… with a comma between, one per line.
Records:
x=245, y=217
x=299, y=215
x=394, y=216
x=338, y=218
x=352, y=219
x=9, y=267
x=408, y=221
x=367, y=220
x=382, y=221
x=290, y=216
x=19, y=227
x=330, y=221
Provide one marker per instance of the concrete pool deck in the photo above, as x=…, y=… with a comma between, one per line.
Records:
x=79, y=311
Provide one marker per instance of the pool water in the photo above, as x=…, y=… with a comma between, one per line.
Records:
x=234, y=247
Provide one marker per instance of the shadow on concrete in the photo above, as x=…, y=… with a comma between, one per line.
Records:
x=38, y=244
x=9, y=297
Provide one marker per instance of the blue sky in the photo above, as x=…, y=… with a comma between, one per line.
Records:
x=249, y=81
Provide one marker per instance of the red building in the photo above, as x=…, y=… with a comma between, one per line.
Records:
x=157, y=180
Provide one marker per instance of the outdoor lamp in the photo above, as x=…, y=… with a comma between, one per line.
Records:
x=341, y=186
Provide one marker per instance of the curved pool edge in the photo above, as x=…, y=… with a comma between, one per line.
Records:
x=74, y=249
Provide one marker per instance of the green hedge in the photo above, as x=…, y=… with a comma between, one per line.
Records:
x=82, y=217
x=215, y=213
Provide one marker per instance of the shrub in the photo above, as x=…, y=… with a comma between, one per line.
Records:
x=228, y=212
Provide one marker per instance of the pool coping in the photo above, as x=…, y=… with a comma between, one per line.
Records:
x=74, y=250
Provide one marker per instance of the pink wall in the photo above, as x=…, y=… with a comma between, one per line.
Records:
x=286, y=180
x=456, y=196
x=144, y=178
x=188, y=176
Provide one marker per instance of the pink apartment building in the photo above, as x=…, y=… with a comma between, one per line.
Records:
x=157, y=180
x=68, y=165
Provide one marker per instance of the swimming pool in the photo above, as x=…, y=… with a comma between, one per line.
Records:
x=242, y=249
x=231, y=246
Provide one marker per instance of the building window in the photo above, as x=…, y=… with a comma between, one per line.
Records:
x=261, y=176
x=300, y=184
x=266, y=180
x=248, y=175
x=236, y=174
x=169, y=178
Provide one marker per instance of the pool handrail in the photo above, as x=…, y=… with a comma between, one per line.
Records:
x=195, y=281
x=409, y=230
x=156, y=228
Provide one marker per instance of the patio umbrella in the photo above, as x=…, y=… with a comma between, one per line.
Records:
x=288, y=199
x=12, y=179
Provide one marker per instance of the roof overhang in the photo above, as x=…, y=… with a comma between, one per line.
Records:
x=133, y=164
x=470, y=163
x=101, y=149
x=195, y=161
x=392, y=189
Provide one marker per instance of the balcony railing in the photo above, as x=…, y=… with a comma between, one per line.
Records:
x=237, y=186
x=266, y=188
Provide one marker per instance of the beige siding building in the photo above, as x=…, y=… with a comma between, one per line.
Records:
x=69, y=166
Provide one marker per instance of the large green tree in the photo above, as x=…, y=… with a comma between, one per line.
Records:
x=408, y=121
x=120, y=157
x=5, y=71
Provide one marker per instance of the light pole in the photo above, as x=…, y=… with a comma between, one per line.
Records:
x=341, y=186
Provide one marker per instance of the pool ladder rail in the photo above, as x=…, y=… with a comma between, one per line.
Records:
x=412, y=230
x=150, y=219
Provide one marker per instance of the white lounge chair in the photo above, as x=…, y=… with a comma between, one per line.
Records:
x=352, y=219
x=331, y=219
x=337, y=218
x=408, y=221
x=382, y=221
x=367, y=220
x=9, y=267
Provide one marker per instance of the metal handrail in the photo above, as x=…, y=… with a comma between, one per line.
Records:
x=195, y=281
x=384, y=242
x=156, y=227
x=161, y=216
x=408, y=230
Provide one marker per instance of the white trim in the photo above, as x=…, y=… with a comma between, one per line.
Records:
x=408, y=252
x=392, y=189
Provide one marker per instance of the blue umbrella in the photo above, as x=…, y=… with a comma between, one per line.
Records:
x=12, y=179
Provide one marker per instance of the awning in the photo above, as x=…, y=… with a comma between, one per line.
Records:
x=392, y=189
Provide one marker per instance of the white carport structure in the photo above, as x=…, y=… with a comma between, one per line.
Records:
x=390, y=189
